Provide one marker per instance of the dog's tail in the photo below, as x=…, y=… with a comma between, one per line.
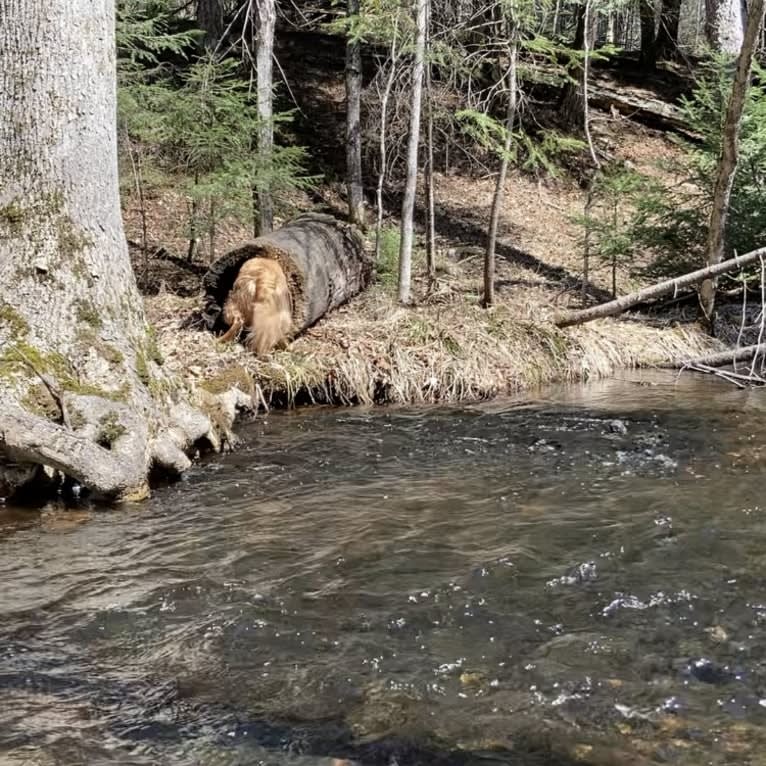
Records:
x=272, y=314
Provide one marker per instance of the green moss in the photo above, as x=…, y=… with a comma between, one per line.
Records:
x=90, y=339
x=153, y=352
x=234, y=376
x=13, y=321
x=71, y=238
x=88, y=314
x=11, y=219
x=38, y=401
x=23, y=359
x=109, y=430
x=142, y=368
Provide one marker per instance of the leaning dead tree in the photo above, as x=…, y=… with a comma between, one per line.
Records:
x=83, y=394
x=657, y=291
x=323, y=258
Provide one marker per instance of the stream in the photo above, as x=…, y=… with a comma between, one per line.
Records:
x=577, y=577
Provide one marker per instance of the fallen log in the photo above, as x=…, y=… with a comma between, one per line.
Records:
x=323, y=259
x=720, y=358
x=622, y=304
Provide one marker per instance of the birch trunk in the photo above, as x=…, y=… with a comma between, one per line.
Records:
x=353, y=124
x=81, y=386
x=264, y=56
x=413, y=144
x=727, y=164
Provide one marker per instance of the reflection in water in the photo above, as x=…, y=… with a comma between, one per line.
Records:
x=572, y=580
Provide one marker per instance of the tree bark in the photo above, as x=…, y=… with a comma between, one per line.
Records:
x=81, y=385
x=648, y=56
x=382, y=130
x=727, y=164
x=430, y=202
x=497, y=200
x=210, y=20
x=721, y=358
x=264, y=56
x=353, y=124
x=570, y=103
x=725, y=25
x=323, y=259
x=657, y=291
x=666, y=44
x=413, y=144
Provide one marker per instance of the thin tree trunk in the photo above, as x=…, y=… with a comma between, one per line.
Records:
x=382, y=149
x=71, y=316
x=264, y=55
x=353, y=123
x=430, y=206
x=570, y=104
x=727, y=164
x=410, y=188
x=657, y=291
x=488, y=298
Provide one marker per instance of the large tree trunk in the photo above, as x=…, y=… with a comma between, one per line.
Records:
x=408, y=203
x=648, y=54
x=725, y=24
x=81, y=386
x=323, y=258
x=210, y=21
x=267, y=18
x=727, y=164
x=353, y=124
x=666, y=45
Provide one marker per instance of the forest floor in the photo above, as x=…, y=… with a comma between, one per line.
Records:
x=445, y=348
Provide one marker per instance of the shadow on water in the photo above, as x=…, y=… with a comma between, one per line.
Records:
x=570, y=578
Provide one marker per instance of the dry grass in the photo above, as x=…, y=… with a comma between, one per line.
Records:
x=374, y=351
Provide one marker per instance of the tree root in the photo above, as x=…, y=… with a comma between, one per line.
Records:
x=111, y=451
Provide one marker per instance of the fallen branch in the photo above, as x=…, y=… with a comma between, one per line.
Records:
x=720, y=358
x=655, y=291
x=739, y=380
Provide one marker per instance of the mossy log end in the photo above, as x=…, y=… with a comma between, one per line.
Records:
x=323, y=258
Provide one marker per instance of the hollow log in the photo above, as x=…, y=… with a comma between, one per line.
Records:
x=323, y=259
x=656, y=291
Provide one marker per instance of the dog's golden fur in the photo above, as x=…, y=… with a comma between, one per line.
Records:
x=259, y=302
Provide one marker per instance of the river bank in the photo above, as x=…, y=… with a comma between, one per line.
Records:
x=445, y=350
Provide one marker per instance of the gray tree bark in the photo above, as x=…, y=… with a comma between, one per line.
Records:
x=413, y=144
x=81, y=386
x=497, y=200
x=727, y=164
x=264, y=57
x=725, y=24
x=354, y=125
x=210, y=20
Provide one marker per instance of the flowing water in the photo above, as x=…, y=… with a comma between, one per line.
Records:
x=577, y=579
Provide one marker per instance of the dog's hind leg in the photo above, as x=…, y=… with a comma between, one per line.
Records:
x=232, y=332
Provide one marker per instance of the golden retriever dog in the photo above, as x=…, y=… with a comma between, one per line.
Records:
x=259, y=302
